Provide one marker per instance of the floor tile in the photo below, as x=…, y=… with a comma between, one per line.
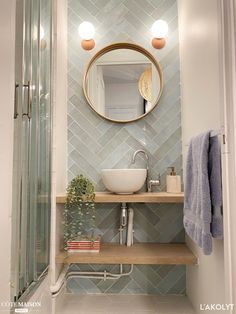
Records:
x=125, y=304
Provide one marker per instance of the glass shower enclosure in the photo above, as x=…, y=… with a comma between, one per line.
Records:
x=32, y=145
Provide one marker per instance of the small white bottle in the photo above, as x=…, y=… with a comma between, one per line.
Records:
x=173, y=182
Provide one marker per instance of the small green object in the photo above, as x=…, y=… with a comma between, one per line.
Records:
x=79, y=213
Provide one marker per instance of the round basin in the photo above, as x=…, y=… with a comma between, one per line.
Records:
x=124, y=181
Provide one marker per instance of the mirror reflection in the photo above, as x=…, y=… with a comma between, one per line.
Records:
x=123, y=85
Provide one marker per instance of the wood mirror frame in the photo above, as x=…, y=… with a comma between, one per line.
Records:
x=115, y=47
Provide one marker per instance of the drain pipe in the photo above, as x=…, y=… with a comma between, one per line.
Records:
x=123, y=224
x=123, y=221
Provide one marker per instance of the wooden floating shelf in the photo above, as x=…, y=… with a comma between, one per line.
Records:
x=152, y=197
x=140, y=253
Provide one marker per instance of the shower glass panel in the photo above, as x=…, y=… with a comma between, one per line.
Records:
x=25, y=145
x=44, y=140
x=32, y=146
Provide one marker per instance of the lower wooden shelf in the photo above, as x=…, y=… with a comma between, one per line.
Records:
x=140, y=253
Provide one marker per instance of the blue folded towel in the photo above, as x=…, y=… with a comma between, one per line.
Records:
x=203, y=196
x=215, y=181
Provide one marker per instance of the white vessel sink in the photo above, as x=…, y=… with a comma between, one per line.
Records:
x=124, y=181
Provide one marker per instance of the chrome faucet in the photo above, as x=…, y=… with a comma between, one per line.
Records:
x=152, y=183
x=149, y=183
x=141, y=151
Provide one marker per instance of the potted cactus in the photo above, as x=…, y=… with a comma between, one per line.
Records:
x=79, y=217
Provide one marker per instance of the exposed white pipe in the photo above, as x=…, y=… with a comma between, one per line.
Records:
x=130, y=227
x=60, y=281
x=67, y=275
x=121, y=269
x=123, y=224
x=121, y=229
x=121, y=235
x=123, y=218
x=98, y=275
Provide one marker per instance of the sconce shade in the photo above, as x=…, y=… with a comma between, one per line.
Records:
x=159, y=29
x=86, y=30
x=88, y=44
x=158, y=43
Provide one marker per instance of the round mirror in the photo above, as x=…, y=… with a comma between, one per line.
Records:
x=123, y=82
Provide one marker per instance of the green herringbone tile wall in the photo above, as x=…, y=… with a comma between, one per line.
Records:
x=94, y=143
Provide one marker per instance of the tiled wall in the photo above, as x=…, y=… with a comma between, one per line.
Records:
x=95, y=143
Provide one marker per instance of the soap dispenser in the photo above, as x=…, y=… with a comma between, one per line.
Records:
x=173, y=182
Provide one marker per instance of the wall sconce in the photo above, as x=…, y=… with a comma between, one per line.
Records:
x=86, y=32
x=159, y=31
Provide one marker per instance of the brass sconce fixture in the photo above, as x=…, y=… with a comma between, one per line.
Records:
x=159, y=31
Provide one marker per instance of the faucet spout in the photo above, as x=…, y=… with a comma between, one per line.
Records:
x=141, y=151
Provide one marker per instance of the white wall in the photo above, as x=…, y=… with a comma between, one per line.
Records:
x=229, y=155
x=123, y=101
x=201, y=80
x=59, y=149
x=7, y=66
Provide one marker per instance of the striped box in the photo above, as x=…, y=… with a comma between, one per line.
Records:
x=84, y=246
